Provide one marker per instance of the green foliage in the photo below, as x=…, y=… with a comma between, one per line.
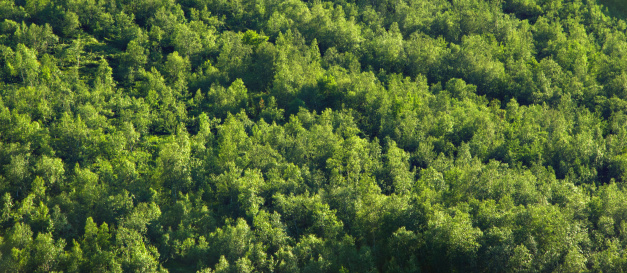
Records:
x=614, y=7
x=313, y=136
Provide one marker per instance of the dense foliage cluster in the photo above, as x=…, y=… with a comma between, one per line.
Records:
x=310, y=136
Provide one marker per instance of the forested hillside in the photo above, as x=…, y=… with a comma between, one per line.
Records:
x=309, y=136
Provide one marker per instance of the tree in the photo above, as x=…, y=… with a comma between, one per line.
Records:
x=186, y=41
x=71, y=24
x=51, y=170
x=134, y=59
x=46, y=253
x=174, y=165
x=455, y=238
x=26, y=65
x=397, y=169
x=177, y=68
x=228, y=100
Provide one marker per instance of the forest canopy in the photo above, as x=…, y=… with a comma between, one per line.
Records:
x=313, y=136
